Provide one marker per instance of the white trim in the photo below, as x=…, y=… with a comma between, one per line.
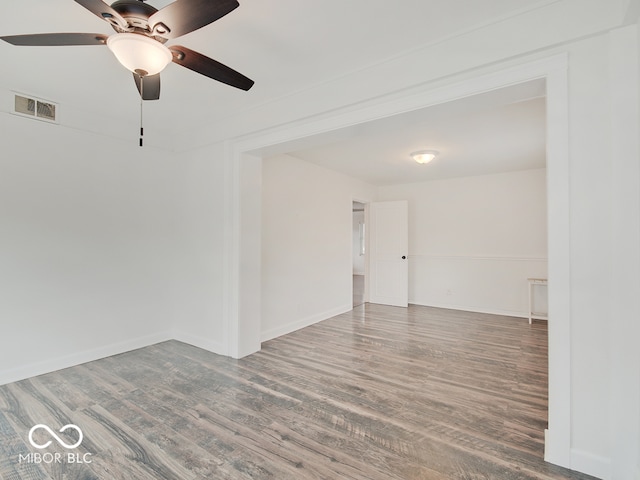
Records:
x=558, y=434
x=218, y=348
x=398, y=103
x=483, y=257
x=231, y=255
x=622, y=327
x=554, y=70
x=594, y=465
x=249, y=243
x=304, y=322
x=53, y=364
x=471, y=308
x=241, y=304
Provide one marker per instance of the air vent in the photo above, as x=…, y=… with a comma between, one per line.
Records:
x=35, y=108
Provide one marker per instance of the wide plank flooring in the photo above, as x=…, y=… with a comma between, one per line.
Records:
x=377, y=393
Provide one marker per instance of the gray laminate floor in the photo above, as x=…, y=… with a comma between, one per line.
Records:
x=377, y=393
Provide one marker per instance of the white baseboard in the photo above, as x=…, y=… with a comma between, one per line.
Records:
x=213, y=347
x=595, y=465
x=304, y=322
x=470, y=308
x=556, y=451
x=53, y=364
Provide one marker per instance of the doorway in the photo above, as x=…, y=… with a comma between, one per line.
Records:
x=279, y=140
x=358, y=253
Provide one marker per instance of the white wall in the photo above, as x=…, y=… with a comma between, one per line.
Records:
x=87, y=244
x=474, y=241
x=306, y=243
x=200, y=263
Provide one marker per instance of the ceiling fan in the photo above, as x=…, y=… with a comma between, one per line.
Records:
x=141, y=34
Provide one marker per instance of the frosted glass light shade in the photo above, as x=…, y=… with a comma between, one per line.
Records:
x=139, y=53
x=424, y=156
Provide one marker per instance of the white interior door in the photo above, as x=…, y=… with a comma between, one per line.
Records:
x=388, y=247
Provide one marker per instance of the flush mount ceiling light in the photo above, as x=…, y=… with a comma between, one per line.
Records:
x=424, y=156
x=139, y=53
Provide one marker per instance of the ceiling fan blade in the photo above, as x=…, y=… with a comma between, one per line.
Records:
x=104, y=11
x=149, y=86
x=56, y=39
x=184, y=16
x=209, y=68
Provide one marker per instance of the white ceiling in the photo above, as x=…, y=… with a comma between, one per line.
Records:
x=284, y=45
x=498, y=131
x=289, y=46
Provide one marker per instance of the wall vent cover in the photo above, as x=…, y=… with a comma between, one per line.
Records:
x=35, y=108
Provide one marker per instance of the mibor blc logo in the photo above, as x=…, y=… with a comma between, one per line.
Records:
x=55, y=457
x=53, y=434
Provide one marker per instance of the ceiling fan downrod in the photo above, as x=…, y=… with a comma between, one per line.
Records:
x=142, y=76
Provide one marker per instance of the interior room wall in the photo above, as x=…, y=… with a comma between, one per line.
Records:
x=87, y=243
x=200, y=260
x=474, y=241
x=306, y=243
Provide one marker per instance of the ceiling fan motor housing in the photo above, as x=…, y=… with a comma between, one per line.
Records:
x=137, y=13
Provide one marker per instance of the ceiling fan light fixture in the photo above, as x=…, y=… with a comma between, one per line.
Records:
x=424, y=156
x=138, y=53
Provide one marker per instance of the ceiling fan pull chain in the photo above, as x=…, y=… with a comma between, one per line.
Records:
x=141, y=103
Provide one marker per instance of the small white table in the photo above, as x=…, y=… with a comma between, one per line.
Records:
x=532, y=283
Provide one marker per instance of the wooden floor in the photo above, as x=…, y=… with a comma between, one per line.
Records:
x=377, y=393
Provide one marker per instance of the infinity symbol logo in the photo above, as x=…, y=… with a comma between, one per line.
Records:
x=53, y=434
